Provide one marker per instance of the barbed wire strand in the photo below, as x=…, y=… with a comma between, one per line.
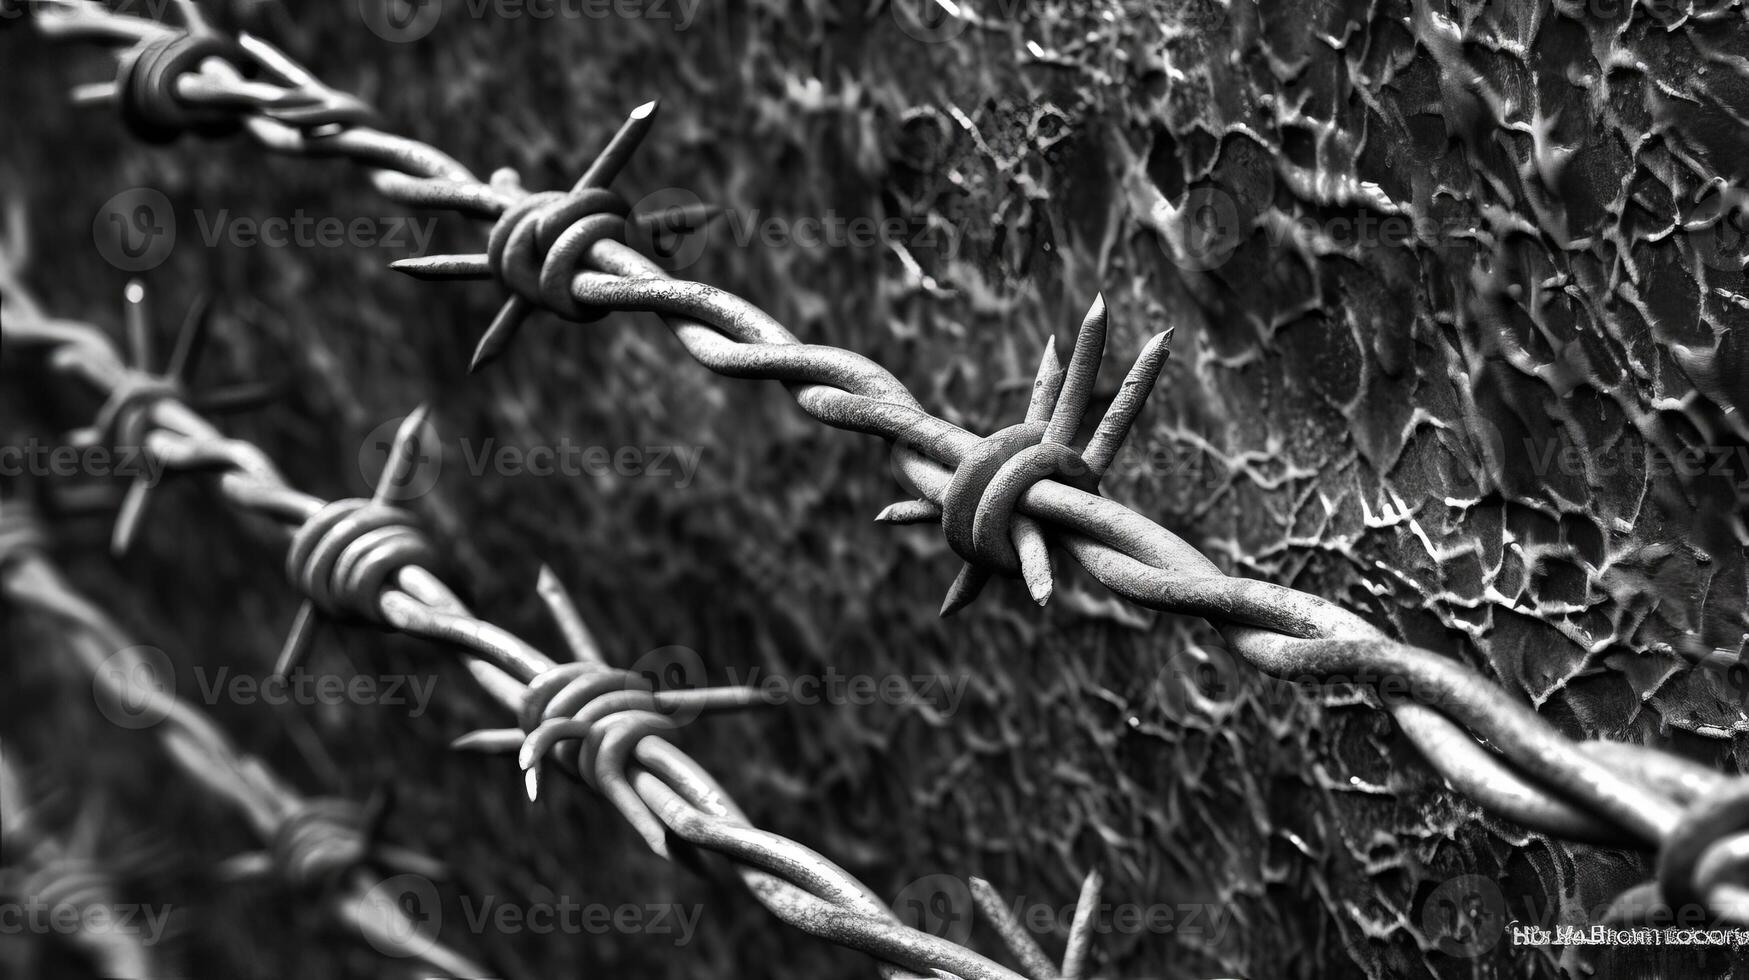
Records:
x=552, y=252
x=310, y=841
x=660, y=789
x=61, y=877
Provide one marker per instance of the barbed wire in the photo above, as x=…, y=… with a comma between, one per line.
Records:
x=326, y=845
x=74, y=891
x=563, y=252
x=362, y=560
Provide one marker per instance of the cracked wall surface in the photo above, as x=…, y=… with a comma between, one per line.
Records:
x=1459, y=301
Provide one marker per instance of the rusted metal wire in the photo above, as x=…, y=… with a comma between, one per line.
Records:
x=322, y=845
x=563, y=252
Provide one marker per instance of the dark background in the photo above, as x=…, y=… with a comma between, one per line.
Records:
x=1359, y=419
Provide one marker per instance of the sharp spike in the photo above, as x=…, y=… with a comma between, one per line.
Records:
x=490, y=740
x=612, y=159
x=437, y=268
x=680, y=220
x=966, y=586
x=909, y=512
x=1035, y=558
x=127, y=518
x=242, y=867
x=95, y=94
x=238, y=397
x=502, y=331
x=1081, y=931
x=404, y=456
x=275, y=61
x=191, y=339
x=1115, y=427
x=139, y=327
x=583, y=645
x=1046, y=385
x=1083, y=372
x=297, y=642
x=1032, y=959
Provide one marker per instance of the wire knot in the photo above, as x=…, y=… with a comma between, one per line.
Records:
x=593, y=716
x=146, y=81
x=537, y=244
x=978, y=507
x=321, y=840
x=125, y=419
x=1686, y=876
x=346, y=552
x=979, y=510
x=540, y=240
x=67, y=882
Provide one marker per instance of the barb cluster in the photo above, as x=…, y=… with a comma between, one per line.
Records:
x=321, y=844
x=357, y=558
x=998, y=498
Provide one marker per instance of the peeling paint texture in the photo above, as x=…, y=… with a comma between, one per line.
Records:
x=1460, y=315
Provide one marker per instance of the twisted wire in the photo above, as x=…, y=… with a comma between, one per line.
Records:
x=310, y=842
x=799, y=885
x=1495, y=750
x=59, y=877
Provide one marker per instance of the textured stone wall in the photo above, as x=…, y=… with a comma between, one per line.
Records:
x=1458, y=345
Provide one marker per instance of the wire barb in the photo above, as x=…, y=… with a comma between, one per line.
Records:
x=979, y=508
x=563, y=252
